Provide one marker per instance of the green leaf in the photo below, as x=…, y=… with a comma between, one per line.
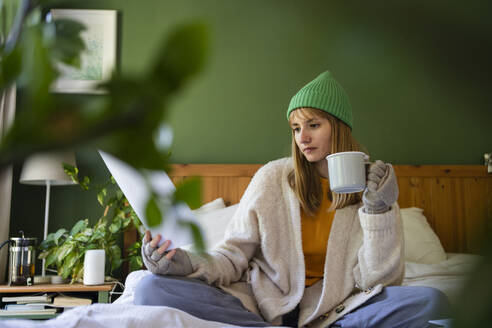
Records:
x=48, y=242
x=69, y=44
x=79, y=226
x=84, y=236
x=135, y=219
x=183, y=55
x=115, y=264
x=134, y=246
x=8, y=10
x=115, y=226
x=126, y=222
x=88, y=232
x=72, y=172
x=152, y=212
x=71, y=260
x=37, y=76
x=111, y=201
x=51, y=258
x=66, y=270
x=33, y=17
x=196, y=234
x=119, y=214
x=189, y=191
x=115, y=256
x=140, y=150
x=115, y=251
x=85, y=183
x=100, y=231
x=135, y=263
x=43, y=255
x=50, y=237
x=64, y=251
x=98, y=235
x=78, y=271
x=101, y=195
x=59, y=235
x=81, y=237
x=10, y=67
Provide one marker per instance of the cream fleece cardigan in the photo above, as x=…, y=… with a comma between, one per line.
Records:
x=261, y=259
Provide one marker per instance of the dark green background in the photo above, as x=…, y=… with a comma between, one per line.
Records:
x=417, y=73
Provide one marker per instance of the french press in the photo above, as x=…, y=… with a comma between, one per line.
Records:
x=22, y=257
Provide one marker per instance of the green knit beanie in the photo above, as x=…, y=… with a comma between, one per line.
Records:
x=326, y=94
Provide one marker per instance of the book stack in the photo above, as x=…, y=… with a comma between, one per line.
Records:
x=30, y=305
x=69, y=301
x=35, y=305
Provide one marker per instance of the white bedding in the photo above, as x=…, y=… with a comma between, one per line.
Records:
x=117, y=315
x=426, y=264
x=448, y=276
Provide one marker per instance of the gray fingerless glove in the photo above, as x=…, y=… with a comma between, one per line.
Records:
x=382, y=188
x=178, y=265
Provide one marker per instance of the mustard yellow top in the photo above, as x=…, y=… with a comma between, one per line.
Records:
x=315, y=233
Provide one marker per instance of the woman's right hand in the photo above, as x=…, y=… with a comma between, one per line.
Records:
x=160, y=261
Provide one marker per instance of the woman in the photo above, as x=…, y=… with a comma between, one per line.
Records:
x=296, y=253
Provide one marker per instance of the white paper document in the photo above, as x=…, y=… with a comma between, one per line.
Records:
x=134, y=186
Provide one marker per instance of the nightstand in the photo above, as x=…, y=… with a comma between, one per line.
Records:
x=75, y=289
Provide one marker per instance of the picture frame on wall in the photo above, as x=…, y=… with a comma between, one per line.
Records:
x=98, y=60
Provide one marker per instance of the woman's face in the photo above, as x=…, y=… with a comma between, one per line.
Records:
x=312, y=135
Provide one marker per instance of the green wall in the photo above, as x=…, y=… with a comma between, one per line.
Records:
x=417, y=73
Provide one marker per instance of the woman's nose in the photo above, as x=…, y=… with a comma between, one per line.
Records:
x=304, y=136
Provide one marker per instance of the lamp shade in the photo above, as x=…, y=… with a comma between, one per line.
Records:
x=41, y=168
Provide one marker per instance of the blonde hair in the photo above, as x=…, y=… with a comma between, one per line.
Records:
x=304, y=179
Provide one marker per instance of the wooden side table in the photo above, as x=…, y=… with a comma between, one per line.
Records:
x=101, y=290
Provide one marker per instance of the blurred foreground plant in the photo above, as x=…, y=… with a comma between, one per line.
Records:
x=128, y=121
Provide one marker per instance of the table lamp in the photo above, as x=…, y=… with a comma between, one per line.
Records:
x=47, y=169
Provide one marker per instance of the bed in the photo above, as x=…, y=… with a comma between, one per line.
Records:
x=444, y=210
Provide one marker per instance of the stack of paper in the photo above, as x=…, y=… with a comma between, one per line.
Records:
x=26, y=307
x=28, y=299
x=26, y=312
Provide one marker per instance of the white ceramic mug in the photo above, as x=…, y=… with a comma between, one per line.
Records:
x=347, y=171
x=94, y=261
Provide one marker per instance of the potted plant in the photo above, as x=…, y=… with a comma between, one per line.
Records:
x=64, y=250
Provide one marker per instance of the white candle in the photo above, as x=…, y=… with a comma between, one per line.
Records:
x=94, y=267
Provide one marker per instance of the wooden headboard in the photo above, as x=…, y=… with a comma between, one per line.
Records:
x=457, y=200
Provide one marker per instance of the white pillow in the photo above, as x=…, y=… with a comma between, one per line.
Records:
x=421, y=243
x=213, y=224
x=213, y=205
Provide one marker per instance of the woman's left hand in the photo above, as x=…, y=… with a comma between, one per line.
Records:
x=382, y=188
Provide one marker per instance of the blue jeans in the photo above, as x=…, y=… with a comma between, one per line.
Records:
x=394, y=307
x=195, y=297
x=408, y=307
